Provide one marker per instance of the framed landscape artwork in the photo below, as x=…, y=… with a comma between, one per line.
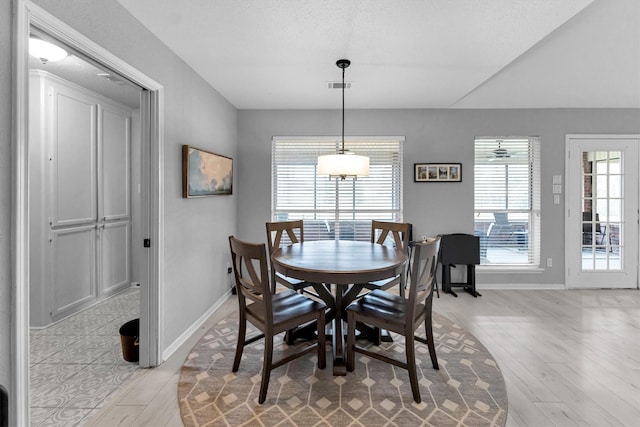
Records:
x=437, y=172
x=205, y=173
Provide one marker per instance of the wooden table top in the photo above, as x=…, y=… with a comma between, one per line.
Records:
x=340, y=262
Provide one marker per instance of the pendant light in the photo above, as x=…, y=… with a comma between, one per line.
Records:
x=344, y=163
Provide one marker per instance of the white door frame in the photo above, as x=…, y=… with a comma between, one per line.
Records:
x=570, y=219
x=25, y=15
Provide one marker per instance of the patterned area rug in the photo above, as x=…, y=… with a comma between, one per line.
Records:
x=468, y=390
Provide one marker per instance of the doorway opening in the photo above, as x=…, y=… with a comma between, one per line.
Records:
x=84, y=195
x=602, y=211
x=30, y=19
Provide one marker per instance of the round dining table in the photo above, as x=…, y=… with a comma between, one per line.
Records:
x=338, y=270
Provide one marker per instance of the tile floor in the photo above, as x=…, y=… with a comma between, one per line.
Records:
x=77, y=364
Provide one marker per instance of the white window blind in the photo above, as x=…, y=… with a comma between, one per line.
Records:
x=330, y=208
x=507, y=200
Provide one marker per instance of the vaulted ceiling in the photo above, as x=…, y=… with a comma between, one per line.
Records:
x=407, y=53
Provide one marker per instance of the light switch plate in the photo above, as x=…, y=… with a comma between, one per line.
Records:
x=557, y=179
x=557, y=189
x=556, y=199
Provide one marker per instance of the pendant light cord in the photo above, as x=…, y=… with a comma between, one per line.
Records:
x=343, y=110
x=343, y=63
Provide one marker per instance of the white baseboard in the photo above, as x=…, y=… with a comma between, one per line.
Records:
x=166, y=354
x=521, y=286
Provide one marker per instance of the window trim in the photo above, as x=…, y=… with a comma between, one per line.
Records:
x=337, y=211
x=535, y=210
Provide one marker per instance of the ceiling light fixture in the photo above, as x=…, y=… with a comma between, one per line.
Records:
x=45, y=51
x=344, y=163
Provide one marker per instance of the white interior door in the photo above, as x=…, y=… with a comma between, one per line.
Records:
x=114, y=198
x=90, y=197
x=602, y=211
x=115, y=175
x=72, y=217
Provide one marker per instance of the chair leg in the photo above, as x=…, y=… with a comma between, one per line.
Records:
x=322, y=341
x=242, y=331
x=428, y=328
x=411, y=365
x=435, y=284
x=351, y=340
x=266, y=367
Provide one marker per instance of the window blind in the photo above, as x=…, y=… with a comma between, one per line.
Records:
x=331, y=208
x=507, y=200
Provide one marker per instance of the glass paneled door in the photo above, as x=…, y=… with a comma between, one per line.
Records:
x=602, y=211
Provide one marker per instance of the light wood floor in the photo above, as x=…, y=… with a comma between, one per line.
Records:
x=569, y=358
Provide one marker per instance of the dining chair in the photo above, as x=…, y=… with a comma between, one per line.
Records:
x=382, y=233
x=385, y=310
x=285, y=232
x=271, y=313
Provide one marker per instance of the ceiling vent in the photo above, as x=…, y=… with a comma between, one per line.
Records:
x=338, y=85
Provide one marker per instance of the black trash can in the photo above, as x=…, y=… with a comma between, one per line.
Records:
x=129, y=337
x=4, y=407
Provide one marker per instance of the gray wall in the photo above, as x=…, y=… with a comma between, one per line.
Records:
x=5, y=193
x=431, y=136
x=196, y=230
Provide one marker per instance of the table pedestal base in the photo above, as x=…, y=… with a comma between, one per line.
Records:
x=339, y=349
x=338, y=270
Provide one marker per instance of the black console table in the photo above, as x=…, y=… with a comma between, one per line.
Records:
x=459, y=249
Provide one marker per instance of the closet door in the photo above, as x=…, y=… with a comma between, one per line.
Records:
x=114, y=198
x=72, y=197
x=87, y=197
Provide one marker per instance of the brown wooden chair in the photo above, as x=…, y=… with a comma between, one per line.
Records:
x=271, y=313
x=397, y=314
x=400, y=233
x=290, y=232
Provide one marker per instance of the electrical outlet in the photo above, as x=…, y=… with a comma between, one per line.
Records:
x=230, y=279
x=549, y=262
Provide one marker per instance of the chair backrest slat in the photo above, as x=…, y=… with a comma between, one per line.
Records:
x=423, y=264
x=400, y=232
x=250, y=271
x=275, y=231
x=292, y=235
